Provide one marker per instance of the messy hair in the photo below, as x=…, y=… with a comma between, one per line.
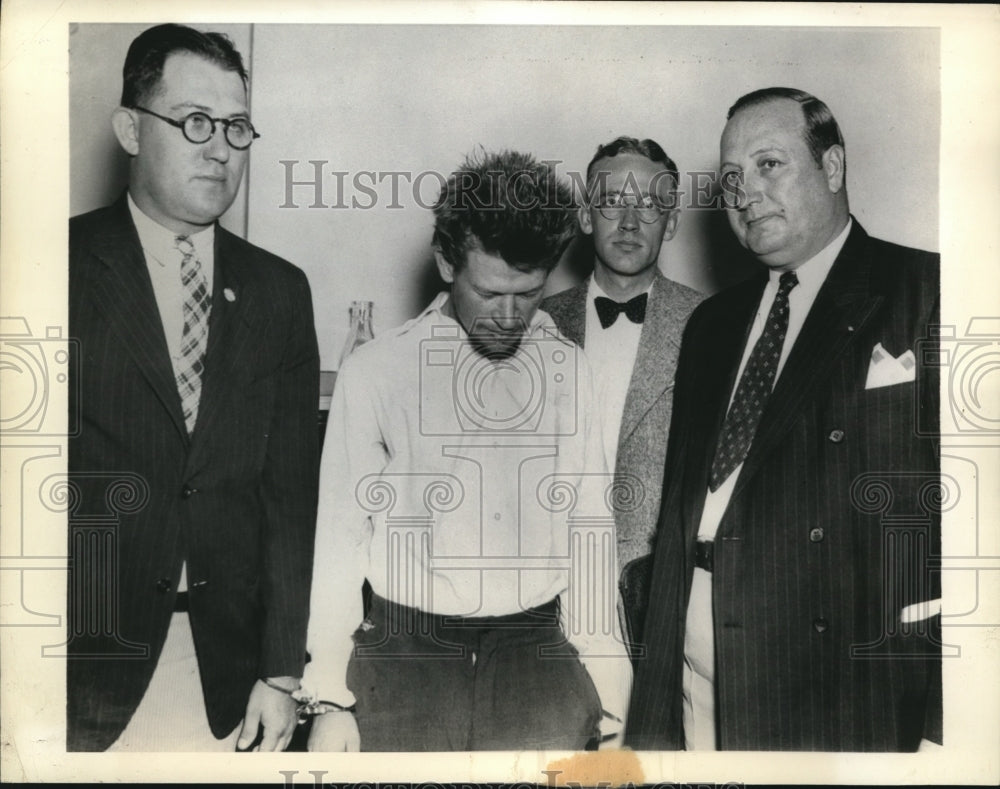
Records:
x=506, y=204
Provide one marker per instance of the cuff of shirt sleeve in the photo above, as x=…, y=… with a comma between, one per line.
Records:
x=316, y=686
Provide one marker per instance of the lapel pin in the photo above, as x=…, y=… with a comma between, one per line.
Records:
x=230, y=296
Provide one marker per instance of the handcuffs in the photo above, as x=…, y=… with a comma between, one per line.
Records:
x=308, y=706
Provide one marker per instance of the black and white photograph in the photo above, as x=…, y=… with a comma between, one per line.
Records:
x=558, y=393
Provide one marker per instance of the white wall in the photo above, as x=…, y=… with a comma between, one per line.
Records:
x=417, y=98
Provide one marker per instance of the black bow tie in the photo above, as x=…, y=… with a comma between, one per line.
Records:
x=608, y=309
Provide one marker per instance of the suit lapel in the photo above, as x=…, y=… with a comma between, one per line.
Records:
x=844, y=304
x=656, y=359
x=123, y=291
x=720, y=359
x=569, y=312
x=229, y=332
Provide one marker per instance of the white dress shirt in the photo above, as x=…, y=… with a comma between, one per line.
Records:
x=611, y=353
x=462, y=486
x=163, y=261
x=699, y=639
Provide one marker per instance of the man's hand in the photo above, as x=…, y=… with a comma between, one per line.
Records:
x=272, y=709
x=334, y=732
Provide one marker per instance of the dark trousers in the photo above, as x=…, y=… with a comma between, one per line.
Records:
x=425, y=682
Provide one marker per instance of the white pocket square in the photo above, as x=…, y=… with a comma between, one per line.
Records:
x=918, y=612
x=884, y=369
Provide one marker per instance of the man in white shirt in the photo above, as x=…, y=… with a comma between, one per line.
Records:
x=794, y=604
x=630, y=319
x=463, y=476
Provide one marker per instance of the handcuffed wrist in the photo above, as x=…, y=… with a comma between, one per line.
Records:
x=272, y=683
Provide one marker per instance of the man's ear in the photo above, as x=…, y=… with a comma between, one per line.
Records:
x=583, y=217
x=445, y=269
x=673, y=217
x=126, y=127
x=833, y=166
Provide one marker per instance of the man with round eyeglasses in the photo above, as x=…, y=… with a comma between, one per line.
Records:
x=197, y=380
x=629, y=318
x=199, y=127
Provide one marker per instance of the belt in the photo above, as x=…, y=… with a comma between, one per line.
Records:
x=181, y=601
x=545, y=614
x=703, y=554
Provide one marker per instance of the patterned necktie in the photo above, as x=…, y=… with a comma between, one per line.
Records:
x=608, y=310
x=754, y=388
x=194, y=340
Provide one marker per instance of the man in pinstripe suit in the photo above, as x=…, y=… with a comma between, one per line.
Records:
x=198, y=381
x=793, y=604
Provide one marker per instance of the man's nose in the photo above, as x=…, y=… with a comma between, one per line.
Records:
x=506, y=316
x=748, y=191
x=217, y=147
x=629, y=219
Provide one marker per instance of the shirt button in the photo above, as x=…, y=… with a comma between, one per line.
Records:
x=163, y=585
x=820, y=625
x=836, y=436
x=816, y=535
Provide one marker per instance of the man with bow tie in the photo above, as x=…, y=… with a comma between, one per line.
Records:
x=795, y=603
x=198, y=384
x=629, y=318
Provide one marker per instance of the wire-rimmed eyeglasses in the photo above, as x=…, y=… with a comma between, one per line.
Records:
x=614, y=206
x=199, y=128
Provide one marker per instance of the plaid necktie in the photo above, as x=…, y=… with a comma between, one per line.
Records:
x=194, y=340
x=754, y=388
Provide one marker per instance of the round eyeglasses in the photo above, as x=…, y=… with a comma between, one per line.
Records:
x=199, y=128
x=614, y=206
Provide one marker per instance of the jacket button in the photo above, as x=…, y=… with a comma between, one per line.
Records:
x=187, y=492
x=820, y=625
x=816, y=535
x=163, y=585
x=836, y=436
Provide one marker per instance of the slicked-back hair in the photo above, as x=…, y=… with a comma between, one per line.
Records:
x=822, y=130
x=648, y=148
x=143, y=68
x=506, y=204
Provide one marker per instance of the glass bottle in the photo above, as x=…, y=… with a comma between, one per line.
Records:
x=361, y=328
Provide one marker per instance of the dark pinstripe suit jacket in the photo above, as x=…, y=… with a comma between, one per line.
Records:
x=831, y=530
x=237, y=501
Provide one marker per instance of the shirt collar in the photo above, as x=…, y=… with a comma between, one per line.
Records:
x=594, y=290
x=158, y=241
x=812, y=273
